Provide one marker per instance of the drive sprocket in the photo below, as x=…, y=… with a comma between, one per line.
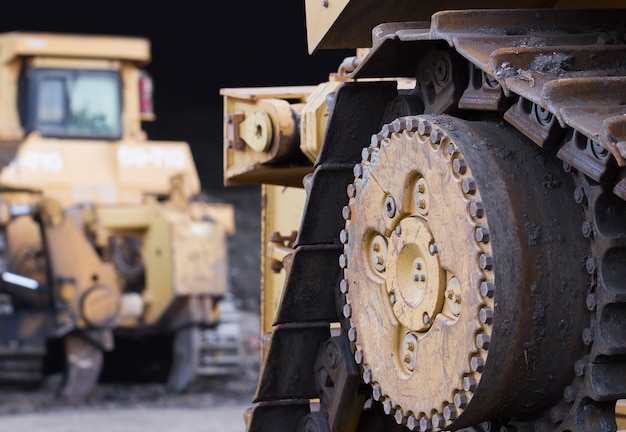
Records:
x=461, y=296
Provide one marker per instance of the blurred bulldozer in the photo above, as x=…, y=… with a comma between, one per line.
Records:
x=104, y=241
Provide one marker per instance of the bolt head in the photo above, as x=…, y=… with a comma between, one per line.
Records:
x=390, y=206
x=487, y=289
x=476, y=209
x=468, y=186
x=459, y=166
x=460, y=400
x=483, y=340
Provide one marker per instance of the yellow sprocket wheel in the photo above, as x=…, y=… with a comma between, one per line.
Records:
x=454, y=274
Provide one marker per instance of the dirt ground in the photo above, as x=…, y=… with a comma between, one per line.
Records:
x=215, y=404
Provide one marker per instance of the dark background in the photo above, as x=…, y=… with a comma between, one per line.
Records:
x=198, y=47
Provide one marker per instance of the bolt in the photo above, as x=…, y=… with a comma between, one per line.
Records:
x=587, y=229
x=347, y=310
x=482, y=340
x=424, y=128
x=426, y=425
x=343, y=236
x=486, y=315
x=457, y=299
x=407, y=358
x=482, y=234
x=433, y=248
x=384, y=131
x=451, y=149
x=591, y=301
x=569, y=393
x=468, y=186
x=375, y=140
x=346, y=213
x=358, y=171
x=449, y=412
x=377, y=392
x=367, y=376
x=470, y=383
x=411, y=124
x=390, y=206
x=398, y=125
x=387, y=407
x=558, y=414
x=590, y=265
x=477, y=364
x=422, y=204
x=579, y=195
x=410, y=346
x=580, y=366
x=485, y=261
x=366, y=153
x=343, y=286
x=418, y=265
x=352, y=334
x=588, y=336
x=358, y=356
x=399, y=416
x=438, y=421
x=460, y=400
x=449, y=294
x=476, y=209
x=436, y=136
x=459, y=166
x=343, y=261
x=487, y=289
x=375, y=246
x=421, y=188
x=419, y=278
x=325, y=3
x=351, y=190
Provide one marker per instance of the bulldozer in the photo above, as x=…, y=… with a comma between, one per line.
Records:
x=443, y=220
x=105, y=238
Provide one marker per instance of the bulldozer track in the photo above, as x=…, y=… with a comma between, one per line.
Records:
x=559, y=80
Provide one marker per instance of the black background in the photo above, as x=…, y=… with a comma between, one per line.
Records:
x=198, y=47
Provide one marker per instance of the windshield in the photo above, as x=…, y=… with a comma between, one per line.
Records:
x=72, y=103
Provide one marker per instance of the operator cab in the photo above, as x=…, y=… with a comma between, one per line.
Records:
x=71, y=103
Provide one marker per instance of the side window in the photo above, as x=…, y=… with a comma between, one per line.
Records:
x=51, y=101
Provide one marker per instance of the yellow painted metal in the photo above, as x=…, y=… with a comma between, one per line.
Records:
x=19, y=44
x=282, y=209
x=96, y=171
x=620, y=414
x=349, y=23
x=314, y=117
x=244, y=161
x=183, y=256
x=404, y=262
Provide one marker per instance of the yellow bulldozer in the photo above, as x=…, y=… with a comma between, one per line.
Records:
x=105, y=239
x=444, y=220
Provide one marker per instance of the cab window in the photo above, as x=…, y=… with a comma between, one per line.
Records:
x=74, y=103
